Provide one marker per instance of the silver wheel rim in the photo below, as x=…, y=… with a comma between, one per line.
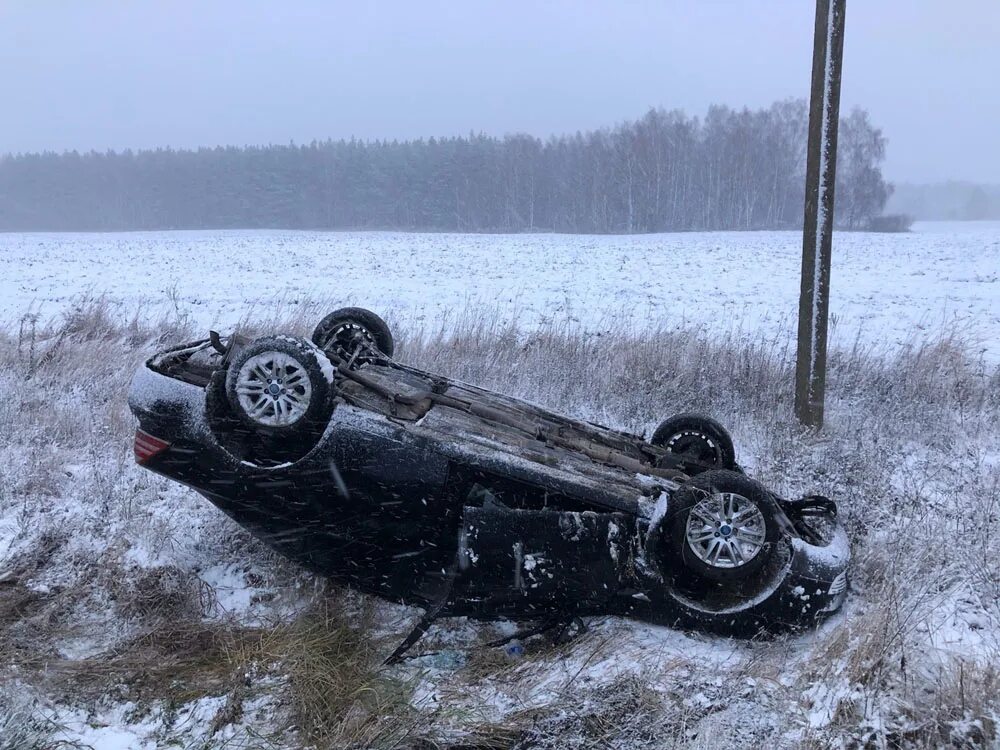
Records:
x=273, y=389
x=726, y=530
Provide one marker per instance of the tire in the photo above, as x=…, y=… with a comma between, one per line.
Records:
x=697, y=438
x=701, y=512
x=280, y=385
x=336, y=333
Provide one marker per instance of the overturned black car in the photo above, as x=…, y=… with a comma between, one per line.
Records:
x=425, y=490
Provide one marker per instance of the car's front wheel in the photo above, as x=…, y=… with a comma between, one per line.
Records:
x=722, y=526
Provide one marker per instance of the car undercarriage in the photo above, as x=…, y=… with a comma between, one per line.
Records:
x=426, y=490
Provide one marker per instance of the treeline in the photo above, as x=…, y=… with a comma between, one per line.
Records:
x=732, y=169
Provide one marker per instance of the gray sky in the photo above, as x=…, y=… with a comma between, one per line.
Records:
x=95, y=74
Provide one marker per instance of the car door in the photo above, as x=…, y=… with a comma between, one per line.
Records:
x=522, y=562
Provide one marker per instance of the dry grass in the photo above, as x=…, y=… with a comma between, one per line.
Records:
x=338, y=696
x=327, y=669
x=111, y=558
x=626, y=712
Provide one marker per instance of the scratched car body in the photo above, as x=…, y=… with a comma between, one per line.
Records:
x=422, y=489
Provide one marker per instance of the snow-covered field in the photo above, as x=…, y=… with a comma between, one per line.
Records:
x=133, y=614
x=889, y=288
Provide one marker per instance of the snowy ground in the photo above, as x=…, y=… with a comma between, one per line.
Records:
x=890, y=287
x=110, y=576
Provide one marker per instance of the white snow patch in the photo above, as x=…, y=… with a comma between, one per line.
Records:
x=594, y=280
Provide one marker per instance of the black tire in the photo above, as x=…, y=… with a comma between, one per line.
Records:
x=294, y=400
x=673, y=534
x=698, y=439
x=335, y=333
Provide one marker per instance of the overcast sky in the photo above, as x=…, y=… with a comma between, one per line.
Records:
x=94, y=74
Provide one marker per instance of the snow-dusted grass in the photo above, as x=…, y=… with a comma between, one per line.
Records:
x=132, y=611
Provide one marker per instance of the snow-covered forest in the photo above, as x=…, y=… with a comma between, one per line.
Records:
x=731, y=169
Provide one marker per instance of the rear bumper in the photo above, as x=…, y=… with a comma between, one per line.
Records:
x=168, y=408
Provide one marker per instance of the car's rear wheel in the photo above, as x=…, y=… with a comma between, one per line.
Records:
x=343, y=332
x=280, y=385
x=722, y=526
x=698, y=440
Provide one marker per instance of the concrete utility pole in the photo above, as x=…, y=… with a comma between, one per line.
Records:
x=817, y=229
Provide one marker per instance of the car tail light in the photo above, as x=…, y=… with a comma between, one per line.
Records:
x=146, y=446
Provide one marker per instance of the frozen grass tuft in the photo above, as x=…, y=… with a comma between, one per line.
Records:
x=23, y=726
x=117, y=587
